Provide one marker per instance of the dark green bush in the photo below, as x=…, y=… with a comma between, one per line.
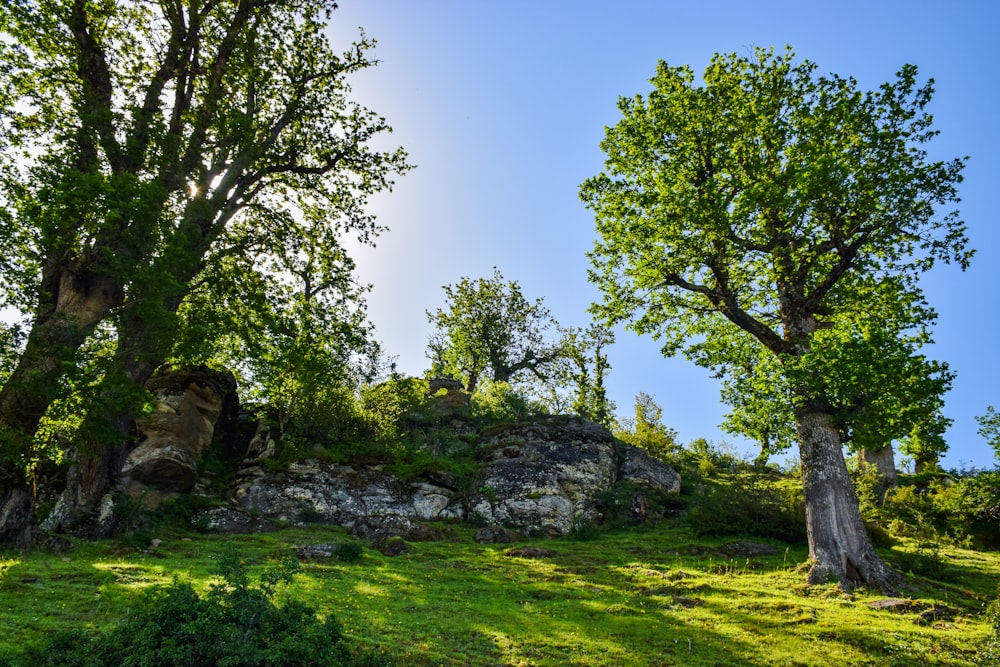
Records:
x=989, y=653
x=618, y=505
x=234, y=625
x=349, y=552
x=749, y=504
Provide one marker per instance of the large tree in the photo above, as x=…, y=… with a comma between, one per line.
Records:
x=134, y=135
x=759, y=208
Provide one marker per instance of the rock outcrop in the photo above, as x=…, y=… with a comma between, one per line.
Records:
x=189, y=403
x=541, y=476
x=538, y=478
x=342, y=494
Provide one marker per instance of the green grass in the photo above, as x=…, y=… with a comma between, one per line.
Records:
x=656, y=596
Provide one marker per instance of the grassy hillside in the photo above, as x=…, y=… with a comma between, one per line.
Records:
x=649, y=596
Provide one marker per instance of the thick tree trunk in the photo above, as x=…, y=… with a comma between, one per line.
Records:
x=839, y=546
x=16, y=513
x=66, y=317
x=64, y=321
x=93, y=475
x=108, y=431
x=109, y=437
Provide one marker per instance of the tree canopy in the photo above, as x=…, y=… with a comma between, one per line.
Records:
x=142, y=142
x=489, y=327
x=756, y=211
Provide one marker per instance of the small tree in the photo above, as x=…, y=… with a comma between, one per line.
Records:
x=583, y=369
x=989, y=428
x=646, y=429
x=488, y=328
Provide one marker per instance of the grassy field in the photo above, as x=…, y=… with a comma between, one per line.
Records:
x=655, y=596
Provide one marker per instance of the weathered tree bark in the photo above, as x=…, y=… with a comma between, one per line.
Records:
x=71, y=304
x=108, y=434
x=16, y=512
x=145, y=336
x=884, y=463
x=839, y=546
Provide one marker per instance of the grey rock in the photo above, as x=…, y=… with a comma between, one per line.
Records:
x=316, y=551
x=542, y=475
x=538, y=477
x=640, y=468
x=341, y=495
x=230, y=520
x=393, y=546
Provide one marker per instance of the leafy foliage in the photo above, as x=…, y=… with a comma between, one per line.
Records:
x=760, y=213
x=235, y=625
x=646, y=429
x=989, y=428
x=154, y=152
x=749, y=504
x=488, y=329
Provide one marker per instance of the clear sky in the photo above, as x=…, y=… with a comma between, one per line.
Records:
x=502, y=106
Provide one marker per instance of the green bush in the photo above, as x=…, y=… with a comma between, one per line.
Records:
x=499, y=403
x=749, y=504
x=348, y=552
x=234, y=625
x=386, y=408
x=617, y=505
x=989, y=653
x=962, y=507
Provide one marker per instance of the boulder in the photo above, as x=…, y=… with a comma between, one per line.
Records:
x=189, y=404
x=230, y=520
x=639, y=468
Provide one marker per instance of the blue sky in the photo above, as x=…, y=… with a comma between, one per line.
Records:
x=502, y=105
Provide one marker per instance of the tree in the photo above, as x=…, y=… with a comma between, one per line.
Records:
x=576, y=383
x=758, y=208
x=137, y=133
x=989, y=428
x=489, y=327
x=925, y=442
x=645, y=429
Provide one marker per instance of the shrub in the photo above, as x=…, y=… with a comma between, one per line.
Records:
x=989, y=654
x=749, y=504
x=235, y=624
x=618, y=505
x=386, y=406
x=498, y=403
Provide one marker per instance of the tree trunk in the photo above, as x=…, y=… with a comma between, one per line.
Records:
x=94, y=474
x=885, y=465
x=839, y=546
x=107, y=434
x=66, y=317
x=145, y=337
x=16, y=513
x=54, y=340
